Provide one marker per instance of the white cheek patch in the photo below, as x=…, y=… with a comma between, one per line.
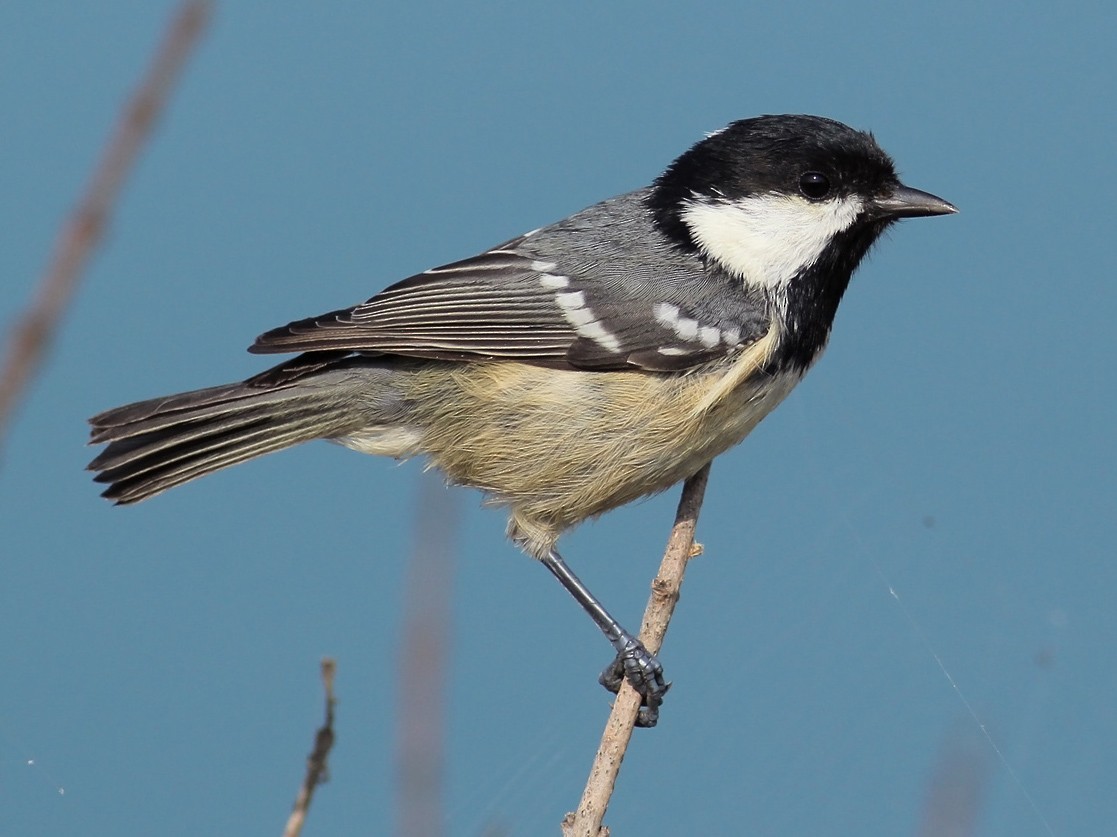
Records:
x=768, y=239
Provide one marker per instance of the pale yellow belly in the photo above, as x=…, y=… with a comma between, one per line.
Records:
x=559, y=446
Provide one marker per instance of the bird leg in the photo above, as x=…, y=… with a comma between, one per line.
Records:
x=633, y=662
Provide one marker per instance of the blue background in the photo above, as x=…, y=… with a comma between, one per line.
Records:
x=916, y=549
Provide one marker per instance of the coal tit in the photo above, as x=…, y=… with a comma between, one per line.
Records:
x=577, y=367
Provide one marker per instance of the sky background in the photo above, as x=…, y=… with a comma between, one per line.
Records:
x=909, y=576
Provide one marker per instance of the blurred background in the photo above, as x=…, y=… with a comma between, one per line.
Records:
x=903, y=622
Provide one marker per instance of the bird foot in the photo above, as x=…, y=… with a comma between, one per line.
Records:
x=643, y=671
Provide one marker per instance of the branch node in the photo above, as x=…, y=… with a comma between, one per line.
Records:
x=568, y=827
x=664, y=591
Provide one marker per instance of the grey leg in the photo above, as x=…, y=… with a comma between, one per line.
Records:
x=633, y=662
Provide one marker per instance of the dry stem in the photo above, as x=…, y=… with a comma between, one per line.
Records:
x=424, y=662
x=317, y=770
x=77, y=240
x=586, y=821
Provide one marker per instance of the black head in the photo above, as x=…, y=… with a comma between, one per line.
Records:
x=796, y=155
x=788, y=206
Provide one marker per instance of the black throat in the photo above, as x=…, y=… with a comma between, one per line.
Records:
x=813, y=297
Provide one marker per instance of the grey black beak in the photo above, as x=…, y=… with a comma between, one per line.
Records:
x=905, y=202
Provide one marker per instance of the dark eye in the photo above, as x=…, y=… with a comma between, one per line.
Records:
x=815, y=185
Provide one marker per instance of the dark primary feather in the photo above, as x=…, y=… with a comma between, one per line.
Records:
x=497, y=306
x=491, y=305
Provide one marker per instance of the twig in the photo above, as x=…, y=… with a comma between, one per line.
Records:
x=77, y=240
x=958, y=788
x=586, y=821
x=317, y=770
x=424, y=662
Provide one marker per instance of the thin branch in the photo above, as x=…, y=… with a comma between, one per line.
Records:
x=317, y=770
x=33, y=332
x=586, y=821
x=424, y=661
x=958, y=788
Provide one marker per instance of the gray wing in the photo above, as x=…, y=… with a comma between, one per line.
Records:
x=600, y=290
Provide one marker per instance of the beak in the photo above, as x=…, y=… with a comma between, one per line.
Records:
x=905, y=202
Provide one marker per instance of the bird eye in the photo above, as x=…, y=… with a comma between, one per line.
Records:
x=815, y=185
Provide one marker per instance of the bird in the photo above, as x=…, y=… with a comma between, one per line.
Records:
x=577, y=367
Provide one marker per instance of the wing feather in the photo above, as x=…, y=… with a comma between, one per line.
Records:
x=575, y=296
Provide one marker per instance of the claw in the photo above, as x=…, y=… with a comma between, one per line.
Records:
x=644, y=672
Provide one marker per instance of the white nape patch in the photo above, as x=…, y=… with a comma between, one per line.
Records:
x=578, y=314
x=768, y=239
x=543, y=267
x=554, y=282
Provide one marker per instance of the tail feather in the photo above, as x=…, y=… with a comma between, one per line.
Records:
x=161, y=413
x=146, y=438
x=158, y=444
x=154, y=474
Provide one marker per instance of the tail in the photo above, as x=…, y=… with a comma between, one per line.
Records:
x=158, y=444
